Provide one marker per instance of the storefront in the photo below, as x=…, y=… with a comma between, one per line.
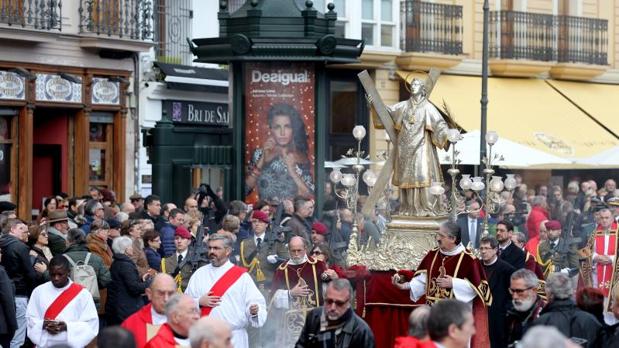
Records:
x=61, y=130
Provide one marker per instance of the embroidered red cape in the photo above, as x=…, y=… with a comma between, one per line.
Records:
x=463, y=266
x=286, y=278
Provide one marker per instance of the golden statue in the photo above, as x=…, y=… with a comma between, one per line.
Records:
x=420, y=130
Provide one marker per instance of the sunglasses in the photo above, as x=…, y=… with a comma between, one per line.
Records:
x=336, y=302
x=519, y=291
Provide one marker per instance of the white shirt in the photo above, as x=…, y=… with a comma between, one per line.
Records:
x=80, y=315
x=235, y=303
x=256, y=238
x=462, y=289
x=184, y=254
x=472, y=230
x=158, y=319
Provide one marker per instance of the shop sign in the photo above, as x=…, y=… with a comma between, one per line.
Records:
x=12, y=86
x=54, y=88
x=198, y=113
x=105, y=91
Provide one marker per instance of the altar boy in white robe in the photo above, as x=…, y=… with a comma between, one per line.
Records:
x=227, y=292
x=60, y=311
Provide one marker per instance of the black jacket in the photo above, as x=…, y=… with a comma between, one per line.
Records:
x=16, y=261
x=124, y=293
x=569, y=320
x=608, y=337
x=514, y=256
x=355, y=332
x=8, y=321
x=498, y=275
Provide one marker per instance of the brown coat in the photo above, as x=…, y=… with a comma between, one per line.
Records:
x=139, y=257
x=98, y=246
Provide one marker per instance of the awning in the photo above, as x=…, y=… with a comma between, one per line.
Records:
x=600, y=101
x=527, y=111
x=194, y=78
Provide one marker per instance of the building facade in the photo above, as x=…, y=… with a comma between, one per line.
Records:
x=67, y=98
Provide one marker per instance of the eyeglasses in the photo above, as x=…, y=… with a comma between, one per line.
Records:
x=336, y=302
x=519, y=291
x=317, y=252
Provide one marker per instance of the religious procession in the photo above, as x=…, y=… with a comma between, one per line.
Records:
x=309, y=174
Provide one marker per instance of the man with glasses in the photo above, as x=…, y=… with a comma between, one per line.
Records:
x=497, y=273
x=335, y=324
x=451, y=271
x=527, y=304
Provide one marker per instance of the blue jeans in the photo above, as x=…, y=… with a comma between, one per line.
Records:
x=20, y=310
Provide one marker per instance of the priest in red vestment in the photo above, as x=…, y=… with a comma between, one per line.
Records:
x=145, y=323
x=604, y=259
x=182, y=312
x=296, y=290
x=451, y=271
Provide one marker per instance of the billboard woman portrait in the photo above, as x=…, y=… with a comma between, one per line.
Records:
x=281, y=169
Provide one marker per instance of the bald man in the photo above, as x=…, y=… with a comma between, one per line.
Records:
x=210, y=332
x=182, y=312
x=296, y=287
x=145, y=323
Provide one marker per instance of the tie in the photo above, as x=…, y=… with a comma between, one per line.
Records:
x=553, y=245
x=500, y=250
x=180, y=259
x=473, y=232
x=258, y=242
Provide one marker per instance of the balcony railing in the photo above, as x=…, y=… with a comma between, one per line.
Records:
x=430, y=27
x=172, y=27
x=34, y=14
x=542, y=37
x=130, y=19
x=583, y=40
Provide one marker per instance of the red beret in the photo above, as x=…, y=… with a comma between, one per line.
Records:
x=183, y=232
x=553, y=225
x=320, y=228
x=260, y=215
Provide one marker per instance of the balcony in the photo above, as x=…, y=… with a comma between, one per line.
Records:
x=116, y=25
x=431, y=35
x=37, y=14
x=528, y=44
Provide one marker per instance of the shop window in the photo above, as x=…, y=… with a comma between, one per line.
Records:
x=100, y=150
x=6, y=146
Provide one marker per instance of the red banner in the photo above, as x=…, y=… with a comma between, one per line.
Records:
x=279, y=131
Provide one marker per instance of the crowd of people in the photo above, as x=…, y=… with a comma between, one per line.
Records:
x=211, y=273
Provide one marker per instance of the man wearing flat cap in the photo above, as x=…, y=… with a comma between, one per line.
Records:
x=558, y=254
x=57, y=228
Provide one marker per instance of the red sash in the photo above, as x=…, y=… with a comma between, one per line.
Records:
x=62, y=301
x=223, y=284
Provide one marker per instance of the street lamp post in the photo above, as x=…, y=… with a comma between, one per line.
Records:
x=484, y=82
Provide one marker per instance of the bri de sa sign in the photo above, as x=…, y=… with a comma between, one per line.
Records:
x=198, y=113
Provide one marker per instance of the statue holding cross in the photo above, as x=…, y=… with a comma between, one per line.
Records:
x=418, y=129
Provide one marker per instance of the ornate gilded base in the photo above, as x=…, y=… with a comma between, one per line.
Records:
x=403, y=245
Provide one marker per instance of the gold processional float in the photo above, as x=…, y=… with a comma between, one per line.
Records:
x=417, y=129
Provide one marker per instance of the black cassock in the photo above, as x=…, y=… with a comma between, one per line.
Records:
x=498, y=275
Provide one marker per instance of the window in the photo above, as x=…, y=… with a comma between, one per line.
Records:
x=6, y=145
x=100, y=149
x=378, y=23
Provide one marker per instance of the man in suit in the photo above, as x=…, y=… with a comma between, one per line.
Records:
x=180, y=264
x=508, y=251
x=471, y=225
x=498, y=273
x=261, y=252
x=558, y=254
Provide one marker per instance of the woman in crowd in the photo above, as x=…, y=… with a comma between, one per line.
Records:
x=125, y=297
x=49, y=205
x=96, y=241
x=322, y=252
x=152, y=243
x=281, y=169
x=135, y=230
x=77, y=250
x=38, y=241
